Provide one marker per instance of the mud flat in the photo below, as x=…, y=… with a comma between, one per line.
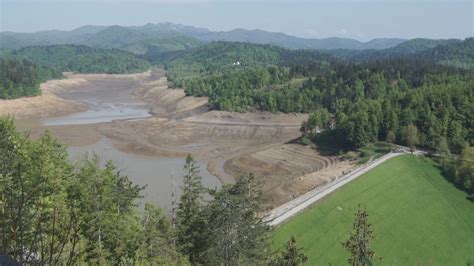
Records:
x=138, y=120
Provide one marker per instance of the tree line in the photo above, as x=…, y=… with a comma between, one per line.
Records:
x=82, y=59
x=368, y=105
x=22, y=78
x=23, y=70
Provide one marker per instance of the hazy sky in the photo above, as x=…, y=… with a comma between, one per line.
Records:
x=357, y=19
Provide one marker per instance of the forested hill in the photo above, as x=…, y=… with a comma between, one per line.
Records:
x=137, y=40
x=368, y=100
x=458, y=54
x=225, y=57
x=451, y=52
x=21, y=71
x=82, y=59
x=140, y=40
x=171, y=37
x=22, y=78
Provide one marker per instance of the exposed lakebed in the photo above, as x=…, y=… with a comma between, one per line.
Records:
x=108, y=100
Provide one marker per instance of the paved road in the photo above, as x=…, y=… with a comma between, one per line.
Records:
x=287, y=210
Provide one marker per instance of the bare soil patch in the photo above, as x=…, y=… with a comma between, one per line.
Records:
x=287, y=170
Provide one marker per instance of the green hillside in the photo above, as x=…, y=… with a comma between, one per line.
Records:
x=82, y=59
x=22, y=78
x=140, y=41
x=224, y=57
x=458, y=54
x=419, y=218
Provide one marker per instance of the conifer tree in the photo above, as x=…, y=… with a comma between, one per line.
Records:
x=190, y=223
x=361, y=236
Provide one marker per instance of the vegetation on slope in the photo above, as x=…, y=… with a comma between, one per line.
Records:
x=218, y=57
x=22, y=78
x=376, y=100
x=453, y=52
x=440, y=109
x=140, y=40
x=458, y=54
x=418, y=216
x=82, y=59
x=137, y=40
x=223, y=57
x=153, y=34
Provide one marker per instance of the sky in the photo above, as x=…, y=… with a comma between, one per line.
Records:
x=358, y=19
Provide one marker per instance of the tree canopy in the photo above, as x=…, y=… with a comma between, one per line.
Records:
x=22, y=78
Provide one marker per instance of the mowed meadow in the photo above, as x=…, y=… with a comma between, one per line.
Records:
x=419, y=218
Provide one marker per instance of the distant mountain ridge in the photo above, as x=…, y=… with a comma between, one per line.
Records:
x=292, y=42
x=136, y=39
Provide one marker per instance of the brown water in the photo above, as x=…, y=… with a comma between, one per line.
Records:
x=152, y=171
x=111, y=99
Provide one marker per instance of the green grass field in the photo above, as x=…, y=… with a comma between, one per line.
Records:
x=419, y=218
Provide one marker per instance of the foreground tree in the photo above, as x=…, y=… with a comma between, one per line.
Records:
x=361, y=236
x=237, y=233
x=157, y=247
x=190, y=237
x=53, y=212
x=291, y=256
x=37, y=223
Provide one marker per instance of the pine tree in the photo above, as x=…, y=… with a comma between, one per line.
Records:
x=361, y=236
x=157, y=246
x=190, y=223
x=238, y=233
x=291, y=256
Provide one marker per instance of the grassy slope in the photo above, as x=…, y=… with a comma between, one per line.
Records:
x=417, y=215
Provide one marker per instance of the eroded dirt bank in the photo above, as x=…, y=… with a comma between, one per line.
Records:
x=229, y=143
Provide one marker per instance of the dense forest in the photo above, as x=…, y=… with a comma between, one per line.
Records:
x=415, y=101
x=224, y=57
x=367, y=102
x=376, y=100
x=22, y=78
x=82, y=59
x=451, y=52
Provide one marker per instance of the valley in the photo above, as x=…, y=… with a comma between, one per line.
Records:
x=240, y=133
x=136, y=120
